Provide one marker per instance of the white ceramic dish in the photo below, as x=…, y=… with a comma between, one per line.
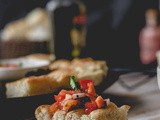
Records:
x=158, y=67
x=158, y=76
x=24, y=66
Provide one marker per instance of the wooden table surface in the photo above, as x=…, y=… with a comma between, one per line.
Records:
x=139, y=91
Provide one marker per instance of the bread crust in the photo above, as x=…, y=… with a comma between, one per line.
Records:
x=40, y=56
x=62, y=77
x=43, y=113
x=111, y=112
x=60, y=64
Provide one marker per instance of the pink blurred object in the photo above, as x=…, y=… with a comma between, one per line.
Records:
x=149, y=38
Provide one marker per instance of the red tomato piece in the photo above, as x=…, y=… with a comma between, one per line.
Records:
x=54, y=107
x=84, y=84
x=99, y=101
x=91, y=91
x=62, y=94
x=90, y=106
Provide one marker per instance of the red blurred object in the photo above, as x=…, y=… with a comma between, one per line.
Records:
x=9, y=66
x=84, y=84
x=81, y=19
x=149, y=38
x=90, y=106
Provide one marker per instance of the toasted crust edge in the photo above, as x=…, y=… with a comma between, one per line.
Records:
x=112, y=112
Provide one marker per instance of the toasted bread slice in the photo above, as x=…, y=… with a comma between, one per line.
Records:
x=60, y=64
x=37, y=85
x=62, y=77
x=31, y=86
x=85, y=68
x=88, y=68
x=40, y=56
x=111, y=112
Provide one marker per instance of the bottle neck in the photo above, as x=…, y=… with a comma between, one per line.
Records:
x=151, y=22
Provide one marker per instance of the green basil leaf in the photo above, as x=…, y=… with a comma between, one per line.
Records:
x=73, y=82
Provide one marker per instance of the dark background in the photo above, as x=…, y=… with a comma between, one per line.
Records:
x=113, y=28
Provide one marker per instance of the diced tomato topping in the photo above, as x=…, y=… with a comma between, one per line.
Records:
x=59, y=98
x=91, y=89
x=99, y=101
x=88, y=87
x=90, y=106
x=54, y=107
x=84, y=84
x=62, y=94
x=68, y=104
x=65, y=101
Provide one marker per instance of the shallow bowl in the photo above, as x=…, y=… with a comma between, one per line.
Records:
x=22, y=67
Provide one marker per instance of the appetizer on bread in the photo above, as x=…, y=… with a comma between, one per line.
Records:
x=82, y=103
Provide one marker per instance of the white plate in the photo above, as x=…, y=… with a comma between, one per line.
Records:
x=26, y=65
x=158, y=76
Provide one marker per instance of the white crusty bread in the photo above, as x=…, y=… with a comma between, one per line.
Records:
x=37, y=85
x=60, y=64
x=79, y=65
x=81, y=68
x=43, y=112
x=62, y=77
x=31, y=86
x=85, y=68
x=40, y=56
x=111, y=112
x=88, y=68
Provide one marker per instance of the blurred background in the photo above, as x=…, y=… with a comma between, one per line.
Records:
x=113, y=29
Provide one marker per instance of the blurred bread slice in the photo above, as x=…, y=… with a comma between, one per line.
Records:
x=111, y=112
x=85, y=68
x=33, y=27
x=62, y=77
x=60, y=64
x=31, y=86
x=89, y=64
x=41, y=56
x=37, y=85
x=88, y=68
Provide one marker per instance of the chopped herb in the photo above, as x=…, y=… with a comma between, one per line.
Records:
x=73, y=82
